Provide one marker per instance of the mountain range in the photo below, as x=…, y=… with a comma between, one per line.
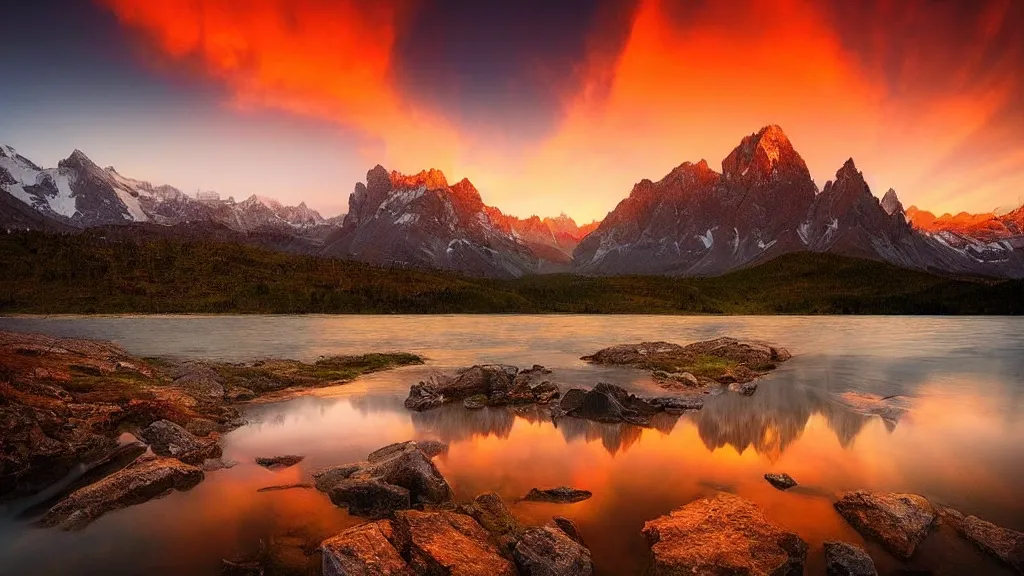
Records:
x=692, y=222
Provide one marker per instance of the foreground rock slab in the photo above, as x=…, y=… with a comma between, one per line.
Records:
x=723, y=534
x=136, y=484
x=845, y=559
x=450, y=543
x=364, y=550
x=898, y=521
x=1002, y=543
x=369, y=497
x=562, y=494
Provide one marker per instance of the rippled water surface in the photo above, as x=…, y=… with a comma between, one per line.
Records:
x=960, y=442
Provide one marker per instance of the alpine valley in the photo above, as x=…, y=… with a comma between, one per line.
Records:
x=692, y=222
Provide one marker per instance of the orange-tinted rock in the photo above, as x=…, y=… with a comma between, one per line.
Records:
x=723, y=534
x=363, y=550
x=898, y=521
x=451, y=544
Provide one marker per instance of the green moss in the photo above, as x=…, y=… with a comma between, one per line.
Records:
x=270, y=375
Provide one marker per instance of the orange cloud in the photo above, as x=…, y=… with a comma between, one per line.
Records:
x=318, y=58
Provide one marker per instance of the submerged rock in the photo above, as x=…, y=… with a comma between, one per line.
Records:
x=142, y=481
x=168, y=439
x=548, y=551
x=898, y=521
x=369, y=497
x=279, y=462
x=678, y=404
x=781, y=481
x=562, y=494
x=724, y=534
x=844, y=559
x=280, y=487
x=1002, y=543
x=364, y=550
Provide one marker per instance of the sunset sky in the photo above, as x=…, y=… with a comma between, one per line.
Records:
x=546, y=106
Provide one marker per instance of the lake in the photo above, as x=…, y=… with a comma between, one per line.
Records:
x=959, y=442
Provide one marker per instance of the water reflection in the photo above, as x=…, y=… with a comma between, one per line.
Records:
x=960, y=382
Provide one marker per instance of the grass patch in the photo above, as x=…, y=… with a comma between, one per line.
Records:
x=271, y=375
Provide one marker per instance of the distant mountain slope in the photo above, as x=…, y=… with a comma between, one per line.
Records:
x=695, y=221
x=80, y=194
x=95, y=272
x=421, y=221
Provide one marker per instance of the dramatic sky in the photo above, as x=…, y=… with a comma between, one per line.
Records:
x=546, y=106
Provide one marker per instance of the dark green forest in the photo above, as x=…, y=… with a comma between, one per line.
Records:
x=93, y=273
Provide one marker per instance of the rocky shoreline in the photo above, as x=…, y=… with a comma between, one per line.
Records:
x=65, y=401
x=148, y=427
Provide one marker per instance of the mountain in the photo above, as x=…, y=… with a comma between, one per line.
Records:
x=986, y=227
x=695, y=221
x=421, y=221
x=80, y=194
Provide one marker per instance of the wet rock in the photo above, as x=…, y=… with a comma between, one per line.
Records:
x=214, y=464
x=1002, y=543
x=475, y=402
x=411, y=469
x=548, y=551
x=610, y=403
x=724, y=534
x=490, y=511
x=781, y=481
x=844, y=559
x=545, y=392
x=364, y=550
x=369, y=498
x=168, y=439
x=449, y=543
x=898, y=521
x=325, y=478
x=239, y=394
x=423, y=396
x=280, y=487
x=678, y=404
x=572, y=400
x=430, y=448
x=138, y=483
x=562, y=494
x=201, y=426
x=491, y=380
x=569, y=527
x=279, y=462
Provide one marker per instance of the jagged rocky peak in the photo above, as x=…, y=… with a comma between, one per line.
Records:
x=891, y=203
x=761, y=154
x=465, y=190
x=432, y=179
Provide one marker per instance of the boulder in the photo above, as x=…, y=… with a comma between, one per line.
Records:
x=562, y=494
x=280, y=487
x=609, y=403
x=491, y=380
x=449, y=543
x=364, y=550
x=545, y=392
x=489, y=510
x=569, y=527
x=844, y=559
x=548, y=551
x=168, y=439
x=140, y=482
x=369, y=498
x=422, y=397
x=572, y=400
x=744, y=388
x=325, y=478
x=201, y=426
x=475, y=402
x=781, y=481
x=279, y=462
x=898, y=521
x=411, y=469
x=724, y=534
x=1002, y=543
x=429, y=447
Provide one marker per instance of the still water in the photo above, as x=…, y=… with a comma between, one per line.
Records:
x=960, y=441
